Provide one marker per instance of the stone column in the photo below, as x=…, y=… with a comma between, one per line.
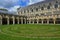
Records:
x=42, y=21
x=47, y=21
x=25, y=20
x=0, y=20
x=21, y=20
x=13, y=20
x=18, y=20
x=37, y=21
x=54, y=21
x=33, y=21
x=8, y=21
x=29, y=21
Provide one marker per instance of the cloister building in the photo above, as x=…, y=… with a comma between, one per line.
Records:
x=7, y=17
x=45, y=12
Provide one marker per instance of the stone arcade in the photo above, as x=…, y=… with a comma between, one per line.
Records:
x=46, y=12
x=9, y=18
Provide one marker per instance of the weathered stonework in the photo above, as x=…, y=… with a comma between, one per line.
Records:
x=46, y=12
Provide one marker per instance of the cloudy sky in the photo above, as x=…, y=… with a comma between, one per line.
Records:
x=12, y=5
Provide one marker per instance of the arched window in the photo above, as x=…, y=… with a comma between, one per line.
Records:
x=48, y=7
x=31, y=10
x=42, y=8
x=56, y=1
x=56, y=5
x=50, y=4
x=42, y=14
x=37, y=14
x=44, y=5
x=36, y=9
x=24, y=11
x=39, y=6
x=21, y=12
x=28, y=11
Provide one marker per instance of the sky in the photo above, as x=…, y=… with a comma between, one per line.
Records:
x=12, y=5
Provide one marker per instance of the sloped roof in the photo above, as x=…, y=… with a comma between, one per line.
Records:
x=39, y=3
x=7, y=13
x=46, y=1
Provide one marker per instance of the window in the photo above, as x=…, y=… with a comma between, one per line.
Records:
x=50, y=4
x=21, y=12
x=37, y=14
x=56, y=5
x=18, y=12
x=44, y=5
x=39, y=6
x=42, y=8
x=31, y=10
x=48, y=7
x=28, y=11
x=24, y=11
x=36, y=9
x=56, y=1
x=42, y=14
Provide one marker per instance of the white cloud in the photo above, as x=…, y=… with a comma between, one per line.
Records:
x=1, y=7
x=14, y=9
x=8, y=3
x=34, y=1
x=12, y=5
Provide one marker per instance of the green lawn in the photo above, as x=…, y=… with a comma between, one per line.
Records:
x=30, y=32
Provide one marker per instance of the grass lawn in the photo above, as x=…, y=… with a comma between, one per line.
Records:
x=30, y=32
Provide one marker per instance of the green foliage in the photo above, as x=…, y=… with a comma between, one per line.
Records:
x=30, y=32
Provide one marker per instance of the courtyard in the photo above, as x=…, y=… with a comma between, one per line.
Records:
x=30, y=32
